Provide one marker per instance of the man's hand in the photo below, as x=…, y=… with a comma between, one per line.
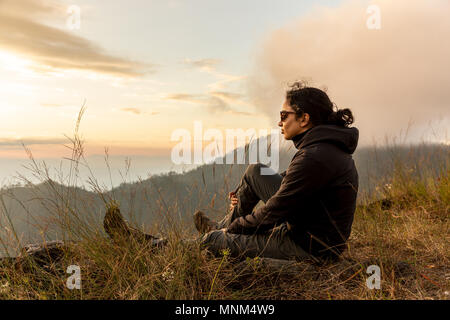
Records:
x=234, y=200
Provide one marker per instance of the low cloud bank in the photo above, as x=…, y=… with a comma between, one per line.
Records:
x=391, y=78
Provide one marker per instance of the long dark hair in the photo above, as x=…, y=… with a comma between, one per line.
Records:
x=317, y=104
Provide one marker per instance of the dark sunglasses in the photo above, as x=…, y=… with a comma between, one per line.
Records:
x=285, y=114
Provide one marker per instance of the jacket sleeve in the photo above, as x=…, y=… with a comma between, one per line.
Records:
x=304, y=177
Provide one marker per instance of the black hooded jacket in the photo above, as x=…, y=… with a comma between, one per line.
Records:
x=317, y=196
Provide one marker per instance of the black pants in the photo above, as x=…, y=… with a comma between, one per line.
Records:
x=275, y=243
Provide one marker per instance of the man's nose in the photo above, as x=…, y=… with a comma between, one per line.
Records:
x=280, y=123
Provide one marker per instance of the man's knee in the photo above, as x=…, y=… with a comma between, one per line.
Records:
x=254, y=169
x=213, y=241
x=217, y=241
x=207, y=237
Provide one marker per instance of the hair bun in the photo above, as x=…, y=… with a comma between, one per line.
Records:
x=341, y=117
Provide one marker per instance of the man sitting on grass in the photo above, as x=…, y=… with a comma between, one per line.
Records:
x=309, y=208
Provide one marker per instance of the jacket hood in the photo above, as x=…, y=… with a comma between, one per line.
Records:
x=344, y=138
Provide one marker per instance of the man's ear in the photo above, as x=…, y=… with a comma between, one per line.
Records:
x=305, y=120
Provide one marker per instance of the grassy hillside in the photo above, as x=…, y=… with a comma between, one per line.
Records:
x=401, y=225
x=406, y=235
x=155, y=204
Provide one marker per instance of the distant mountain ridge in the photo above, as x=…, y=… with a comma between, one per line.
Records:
x=173, y=197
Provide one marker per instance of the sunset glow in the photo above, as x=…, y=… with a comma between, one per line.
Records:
x=226, y=64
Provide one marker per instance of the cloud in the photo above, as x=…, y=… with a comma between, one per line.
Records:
x=132, y=110
x=213, y=103
x=239, y=113
x=33, y=8
x=231, y=97
x=228, y=95
x=14, y=142
x=208, y=65
x=50, y=48
x=138, y=111
x=225, y=80
x=388, y=77
x=52, y=105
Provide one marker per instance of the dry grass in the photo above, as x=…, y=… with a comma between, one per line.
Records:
x=407, y=236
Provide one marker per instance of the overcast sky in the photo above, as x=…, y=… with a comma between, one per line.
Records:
x=146, y=68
